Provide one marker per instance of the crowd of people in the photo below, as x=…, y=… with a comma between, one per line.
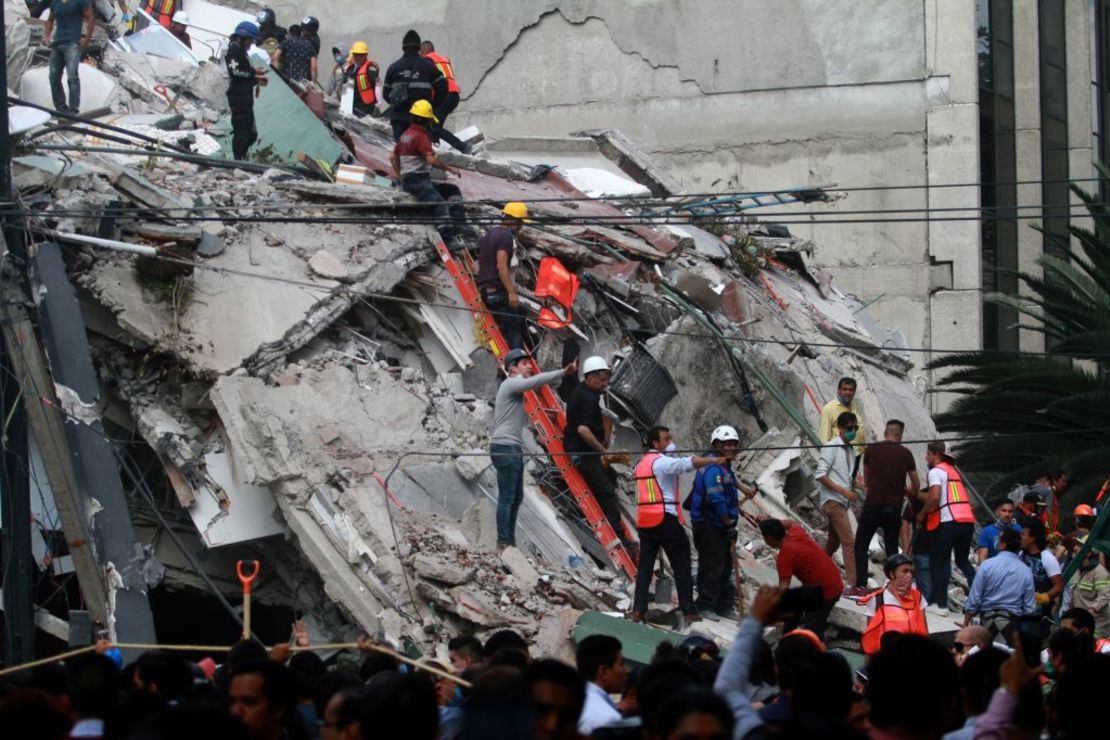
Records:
x=912, y=687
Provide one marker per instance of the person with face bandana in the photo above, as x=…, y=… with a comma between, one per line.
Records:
x=835, y=476
x=659, y=518
x=899, y=607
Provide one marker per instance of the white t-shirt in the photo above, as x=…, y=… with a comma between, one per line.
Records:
x=937, y=477
x=1051, y=564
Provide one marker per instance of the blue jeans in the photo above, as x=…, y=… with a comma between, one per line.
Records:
x=921, y=576
x=67, y=56
x=508, y=461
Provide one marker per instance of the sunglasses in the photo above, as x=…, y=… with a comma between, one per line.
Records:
x=958, y=646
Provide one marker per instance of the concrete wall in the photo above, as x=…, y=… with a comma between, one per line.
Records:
x=756, y=95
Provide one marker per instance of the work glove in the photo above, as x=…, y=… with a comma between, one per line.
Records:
x=1042, y=599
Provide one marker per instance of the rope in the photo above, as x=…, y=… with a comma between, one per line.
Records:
x=224, y=648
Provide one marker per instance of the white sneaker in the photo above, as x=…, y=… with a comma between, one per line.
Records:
x=943, y=611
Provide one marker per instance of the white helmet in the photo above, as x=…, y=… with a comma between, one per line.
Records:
x=593, y=364
x=181, y=17
x=724, y=433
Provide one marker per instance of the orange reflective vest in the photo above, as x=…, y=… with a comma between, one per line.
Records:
x=443, y=64
x=954, y=498
x=651, y=506
x=364, y=83
x=160, y=10
x=903, y=615
x=555, y=281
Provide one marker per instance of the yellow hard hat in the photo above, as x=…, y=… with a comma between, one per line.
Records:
x=360, y=47
x=516, y=209
x=423, y=109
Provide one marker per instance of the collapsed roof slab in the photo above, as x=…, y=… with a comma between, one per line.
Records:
x=258, y=300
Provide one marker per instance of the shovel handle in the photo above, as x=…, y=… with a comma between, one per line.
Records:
x=247, y=578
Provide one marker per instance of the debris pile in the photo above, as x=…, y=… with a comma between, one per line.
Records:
x=303, y=371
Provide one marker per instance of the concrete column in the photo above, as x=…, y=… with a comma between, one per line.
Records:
x=1027, y=120
x=952, y=156
x=1080, y=73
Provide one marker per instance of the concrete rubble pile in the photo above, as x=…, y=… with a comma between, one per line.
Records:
x=312, y=388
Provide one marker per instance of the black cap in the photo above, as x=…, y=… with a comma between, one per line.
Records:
x=894, y=561
x=411, y=40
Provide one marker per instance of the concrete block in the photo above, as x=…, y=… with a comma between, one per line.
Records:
x=327, y=265
x=517, y=562
x=438, y=567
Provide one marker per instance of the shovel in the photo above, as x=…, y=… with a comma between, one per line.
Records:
x=247, y=580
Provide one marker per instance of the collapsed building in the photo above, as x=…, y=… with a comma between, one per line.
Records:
x=275, y=365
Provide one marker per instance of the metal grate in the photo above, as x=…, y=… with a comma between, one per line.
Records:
x=643, y=386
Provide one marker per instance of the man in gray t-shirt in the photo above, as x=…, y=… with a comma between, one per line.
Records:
x=506, y=441
x=63, y=36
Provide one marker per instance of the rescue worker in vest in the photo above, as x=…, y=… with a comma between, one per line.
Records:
x=497, y=260
x=950, y=521
x=364, y=73
x=244, y=83
x=180, y=28
x=446, y=105
x=1084, y=517
x=714, y=505
x=270, y=34
x=899, y=607
x=160, y=10
x=409, y=79
x=659, y=518
x=413, y=160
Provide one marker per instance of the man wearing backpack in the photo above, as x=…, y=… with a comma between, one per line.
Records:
x=411, y=78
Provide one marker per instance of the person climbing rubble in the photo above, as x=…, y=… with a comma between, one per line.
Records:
x=497, y=261
x=714, y=505
x=844, y=403
x=180, y=28
x=950, y=519
x=587, y=439
x=408, y=80
x=270, y=34
x=802, y=558
x=64, y=39
x=413, y=160
x=836, y=478
x=898, y=607
x=886, y=468
x=446, y=104
x=659, y=519
x=243, y=86
x=295, y=57
x=506, y=443
x=363, y=72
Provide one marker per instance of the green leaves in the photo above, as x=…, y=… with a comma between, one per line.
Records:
x=1030, y=413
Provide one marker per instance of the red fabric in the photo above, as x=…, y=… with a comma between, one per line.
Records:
x=414, y=142
x=893, y=615
x=802, y=557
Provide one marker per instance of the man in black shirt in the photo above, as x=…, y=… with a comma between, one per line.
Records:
x=295, y=57
x=242, y=87
x=587, y=438
x=495, y=274
x=411, y=78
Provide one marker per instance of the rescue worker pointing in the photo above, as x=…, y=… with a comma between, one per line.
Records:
x=659, y=519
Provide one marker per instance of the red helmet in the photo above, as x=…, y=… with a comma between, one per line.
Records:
x=1083, y=510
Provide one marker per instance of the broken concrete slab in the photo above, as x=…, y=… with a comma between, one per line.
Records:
x=440, y=570
x=98, y=90
x=633, y=161
x=327, y=265
x=517, y=563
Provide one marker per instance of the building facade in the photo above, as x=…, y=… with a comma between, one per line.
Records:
x=914, y=107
